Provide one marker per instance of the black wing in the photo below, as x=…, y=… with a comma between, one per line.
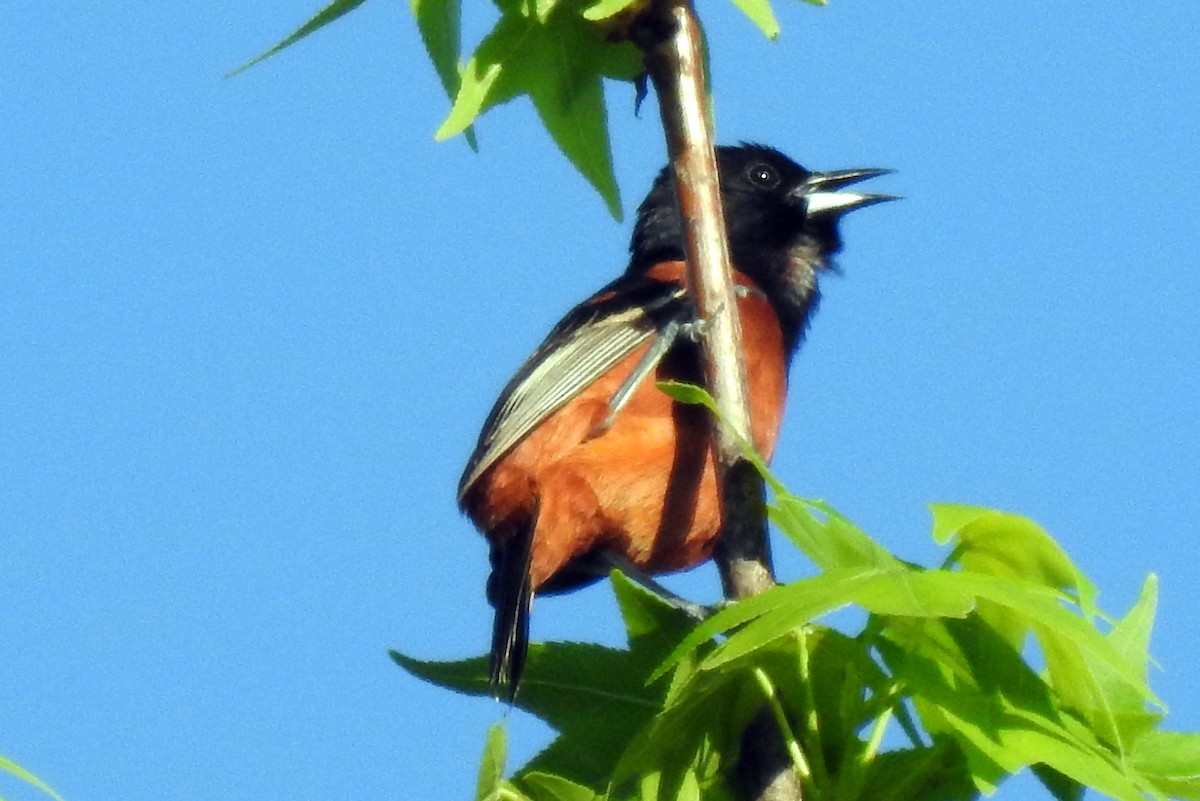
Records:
x=585, y=344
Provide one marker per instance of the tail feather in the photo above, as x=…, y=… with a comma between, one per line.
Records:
x=511, y=592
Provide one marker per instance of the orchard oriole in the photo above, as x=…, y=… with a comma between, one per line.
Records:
x=583, y=462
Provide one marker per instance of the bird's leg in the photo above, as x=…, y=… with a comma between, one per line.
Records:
x=693, y=330
x=646, y=365
x=611, y=560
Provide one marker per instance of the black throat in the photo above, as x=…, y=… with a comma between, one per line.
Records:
x=783, y=262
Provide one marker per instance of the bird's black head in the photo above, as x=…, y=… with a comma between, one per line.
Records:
x=781, y=219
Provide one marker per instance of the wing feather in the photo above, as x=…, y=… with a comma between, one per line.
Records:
x=587, y=343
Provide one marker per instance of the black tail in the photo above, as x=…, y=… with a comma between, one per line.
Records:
x=510, y=592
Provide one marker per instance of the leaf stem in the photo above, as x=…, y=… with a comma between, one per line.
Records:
x=785, y=728
x=812, y=720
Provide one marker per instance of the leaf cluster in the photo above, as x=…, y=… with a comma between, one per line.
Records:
x=556, y=52
x=995, y=660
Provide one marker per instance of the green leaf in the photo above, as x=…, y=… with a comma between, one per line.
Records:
x=832, y=544
x=491, y=766
x=764, y=618
x=542, y=8
x=654, y=626
x=322, y=18
x=916, y=593
x=598, y=722
x=998, y=669
x=648, y=785
x=1063, y=788
x=13, y=769
x=603, y=9
x=1084, y=686
x=950, y=518
x=468, y=676
x=1131, y=635
x=967, y=656
x=563, y=677
x=969, y=682
x=558, y=60
x=549, y=787
x=813, y=597
x=937, y=773
x=1062, y=634
x=440, y=25
x=439, y=22
x=596, y=697
x=689, y=788
x=1009, y=546
x=997, y=727
x=1030, y=746
x=478, y=84
x=848, y=690
x=689, y=394
x=698, y=727
x=761, y=14
x=949, y=708
x=570, y=103
x=1075, y=677
x=1124, y=706
x=1171, y=760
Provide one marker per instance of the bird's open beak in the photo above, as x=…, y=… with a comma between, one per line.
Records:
x=821, y=196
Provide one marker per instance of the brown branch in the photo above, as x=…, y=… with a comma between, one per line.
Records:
x=669, y=34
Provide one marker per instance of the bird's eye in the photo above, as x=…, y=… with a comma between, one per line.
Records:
x=763, y=176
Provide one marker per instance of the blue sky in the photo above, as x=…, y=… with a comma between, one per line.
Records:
x=249, y=330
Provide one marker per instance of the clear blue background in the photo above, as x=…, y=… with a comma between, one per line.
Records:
x=249, y=329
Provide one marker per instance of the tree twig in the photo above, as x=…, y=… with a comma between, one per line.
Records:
x=669, y=34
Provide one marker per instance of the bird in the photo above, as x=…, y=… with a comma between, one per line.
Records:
x=583, y=464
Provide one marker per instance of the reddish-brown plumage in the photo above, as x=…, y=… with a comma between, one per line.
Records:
x=646, y=487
